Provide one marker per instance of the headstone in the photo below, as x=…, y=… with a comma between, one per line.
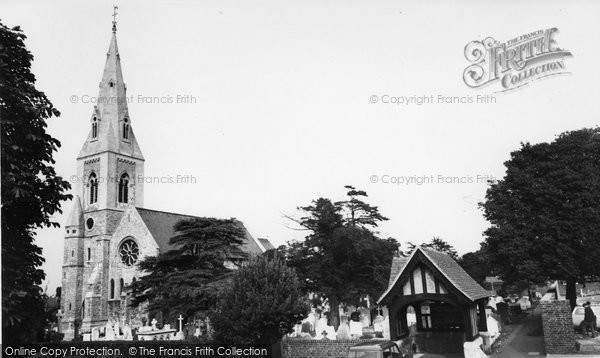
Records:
x=180, y=319
x=378, y=323
x=167, y=327
x=95, y=334
x=127, y=334
x=321, y=325
x=355, y=329
x=59, y=316
x=179, y=336
x=117, y=330
x=343, y=331
x=306, y=327
x=109, y=334
x=154, y=322
x=87, y=337
x=386, y=327
x=365, y=316
x=330, y=330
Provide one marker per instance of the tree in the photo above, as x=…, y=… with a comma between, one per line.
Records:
x=186, y=279
x=476, y=265
x=261, y=303
x=545, y=212
x=342, y=259
x=440, y=245
x=31, y=191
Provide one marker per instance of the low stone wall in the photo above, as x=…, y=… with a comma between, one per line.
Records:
x=559, y=334
x=311, y=348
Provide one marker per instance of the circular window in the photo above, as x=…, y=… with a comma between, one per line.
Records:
x=129, y=252
x=89, y=223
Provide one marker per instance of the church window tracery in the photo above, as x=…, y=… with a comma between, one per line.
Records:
x=129, y=252
x=124, y=188
x=93, y=184
x=95, y=128
x=126, y=128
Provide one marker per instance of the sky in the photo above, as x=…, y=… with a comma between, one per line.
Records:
x=267, y=105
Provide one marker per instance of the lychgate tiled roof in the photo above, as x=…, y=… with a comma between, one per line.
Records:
x=398, y=264
x=455, y=274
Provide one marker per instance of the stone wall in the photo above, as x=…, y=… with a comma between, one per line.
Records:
x=559, y=334
x=307, y=348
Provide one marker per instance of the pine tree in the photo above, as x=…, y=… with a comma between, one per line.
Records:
x=186, y=279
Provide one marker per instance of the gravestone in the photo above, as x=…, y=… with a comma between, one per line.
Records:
x=127, y=334
x=386, y=327
x=355, y=329
x=378, y=324
x=95, y=334
x=365, y=316
x=109, y=333
x=343, y=331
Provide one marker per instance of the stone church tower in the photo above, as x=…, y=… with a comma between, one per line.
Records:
x=108, y=230
x=107, y=168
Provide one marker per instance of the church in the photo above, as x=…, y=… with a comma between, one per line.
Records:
x=108, y=230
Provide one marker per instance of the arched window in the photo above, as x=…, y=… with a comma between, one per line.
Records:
x=95, y=128
x=93, y=184
x=121, y=286
x=124, y=188
x=89, y=254
x=112, y=288
x=125, y=128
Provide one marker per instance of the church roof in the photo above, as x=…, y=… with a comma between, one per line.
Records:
x=449, y=268
x=161, y=223
x=111, y=110
x=266, y=244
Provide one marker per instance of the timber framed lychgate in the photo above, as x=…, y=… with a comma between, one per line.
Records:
x=448, y=305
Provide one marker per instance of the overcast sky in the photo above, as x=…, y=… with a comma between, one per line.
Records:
x=281, y=108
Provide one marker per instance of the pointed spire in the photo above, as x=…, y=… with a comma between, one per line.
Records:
x=76, y=217
x=112, y=111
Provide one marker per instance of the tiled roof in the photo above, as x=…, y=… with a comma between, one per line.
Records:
x=456, y=274
x=266, y=244
x=459, y=278
x=161, y=223
x=398, y=263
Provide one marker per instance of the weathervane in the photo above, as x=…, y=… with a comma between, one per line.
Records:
x=114, y=28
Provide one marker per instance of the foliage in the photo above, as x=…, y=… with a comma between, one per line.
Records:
x=437, y=244
x=342, y=259
x=31, y=190
x=476, y=265
x=262, y=302
x=545, y=212
x=186, y=279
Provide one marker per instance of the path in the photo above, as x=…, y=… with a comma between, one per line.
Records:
x=519, y=344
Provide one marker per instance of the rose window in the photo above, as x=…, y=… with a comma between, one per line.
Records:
x=129, y=252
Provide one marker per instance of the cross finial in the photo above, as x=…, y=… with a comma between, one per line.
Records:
x=114, y=15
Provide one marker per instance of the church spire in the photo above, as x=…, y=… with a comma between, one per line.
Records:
x=111, y=129
x=114, y=27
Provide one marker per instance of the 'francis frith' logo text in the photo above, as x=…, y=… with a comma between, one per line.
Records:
x=514, y=63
